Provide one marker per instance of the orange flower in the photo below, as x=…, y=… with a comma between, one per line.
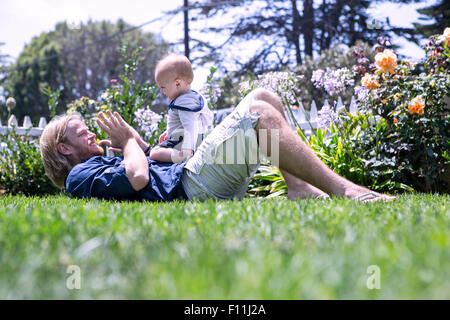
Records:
x=386, y=61
x=416, y=106
x=369, y=82
x=445, y=37
x=395, y=120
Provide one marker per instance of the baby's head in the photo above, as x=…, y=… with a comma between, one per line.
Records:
x=174, y=75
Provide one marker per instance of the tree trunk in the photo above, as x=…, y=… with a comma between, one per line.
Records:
x=323, y=26
x=186, y=29
x=308, y=26
x=296, y=19
x=334, y=17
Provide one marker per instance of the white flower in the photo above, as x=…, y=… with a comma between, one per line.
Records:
x=147, y=120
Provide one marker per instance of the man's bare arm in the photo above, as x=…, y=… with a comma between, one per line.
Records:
x=135, y=161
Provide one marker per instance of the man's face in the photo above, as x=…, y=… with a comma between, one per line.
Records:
x=80, y=142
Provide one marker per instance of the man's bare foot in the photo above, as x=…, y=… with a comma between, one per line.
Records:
x=306, y=193
x=365, y=195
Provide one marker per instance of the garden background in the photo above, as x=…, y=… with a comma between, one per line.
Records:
x=395, y=141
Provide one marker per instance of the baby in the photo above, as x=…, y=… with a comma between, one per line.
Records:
x=189, y=116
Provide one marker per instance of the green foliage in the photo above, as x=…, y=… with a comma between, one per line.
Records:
x=345, y=148
x=53, y=97
x=230, y=93
x=411, y=130
x=396, y=142
x=439, y=12
x=250, y=249
x=21, y=167
x=267, y=182
x=88, y=109
x=399, y=139
x=210, y=89
x=128, y=95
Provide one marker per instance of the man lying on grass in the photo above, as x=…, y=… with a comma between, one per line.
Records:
x=220, y=168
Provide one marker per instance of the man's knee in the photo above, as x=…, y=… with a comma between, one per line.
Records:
x=269, y=97
x=265, y=95
x=261, y=93
x=268, y=115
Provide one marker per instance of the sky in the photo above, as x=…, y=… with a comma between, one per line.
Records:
x=21, y=20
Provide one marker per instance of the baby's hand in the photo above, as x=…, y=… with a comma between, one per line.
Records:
x=163, y=137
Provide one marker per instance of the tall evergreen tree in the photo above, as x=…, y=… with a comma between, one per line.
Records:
x=3, y=63
x=440, y=13
x=277, y=33
x=3, y=66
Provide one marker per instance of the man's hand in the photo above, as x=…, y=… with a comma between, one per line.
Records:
x=143, y=145
x=117, y=129
x=163, y=137
x=122, y=137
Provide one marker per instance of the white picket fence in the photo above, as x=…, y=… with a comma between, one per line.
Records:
x=307, y=120
x=34, y=131
x=26, y=126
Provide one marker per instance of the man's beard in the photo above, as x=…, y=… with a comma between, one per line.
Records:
x=100, y=151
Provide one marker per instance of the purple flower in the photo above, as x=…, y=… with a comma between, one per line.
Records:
x=317, y=77
x=326, y=116
x=333, y=81
x=285, y=84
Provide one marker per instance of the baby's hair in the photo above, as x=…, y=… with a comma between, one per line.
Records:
x=177, y=66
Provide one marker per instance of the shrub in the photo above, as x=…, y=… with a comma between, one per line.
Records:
x=399, y=138
x=21, y=167
x=410, y=132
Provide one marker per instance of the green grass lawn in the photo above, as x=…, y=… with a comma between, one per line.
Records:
x=251, y=249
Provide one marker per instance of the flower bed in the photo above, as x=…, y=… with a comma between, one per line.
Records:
x=399, y=138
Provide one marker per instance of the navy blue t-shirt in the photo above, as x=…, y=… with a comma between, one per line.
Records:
x=105, y=178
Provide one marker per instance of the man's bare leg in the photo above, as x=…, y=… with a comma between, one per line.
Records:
x=299, y=160
x=297, y=188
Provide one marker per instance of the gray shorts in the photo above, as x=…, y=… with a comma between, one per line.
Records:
x=225, y=161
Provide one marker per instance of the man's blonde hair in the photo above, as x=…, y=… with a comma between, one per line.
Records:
x=175, y=66
x=56, y=165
